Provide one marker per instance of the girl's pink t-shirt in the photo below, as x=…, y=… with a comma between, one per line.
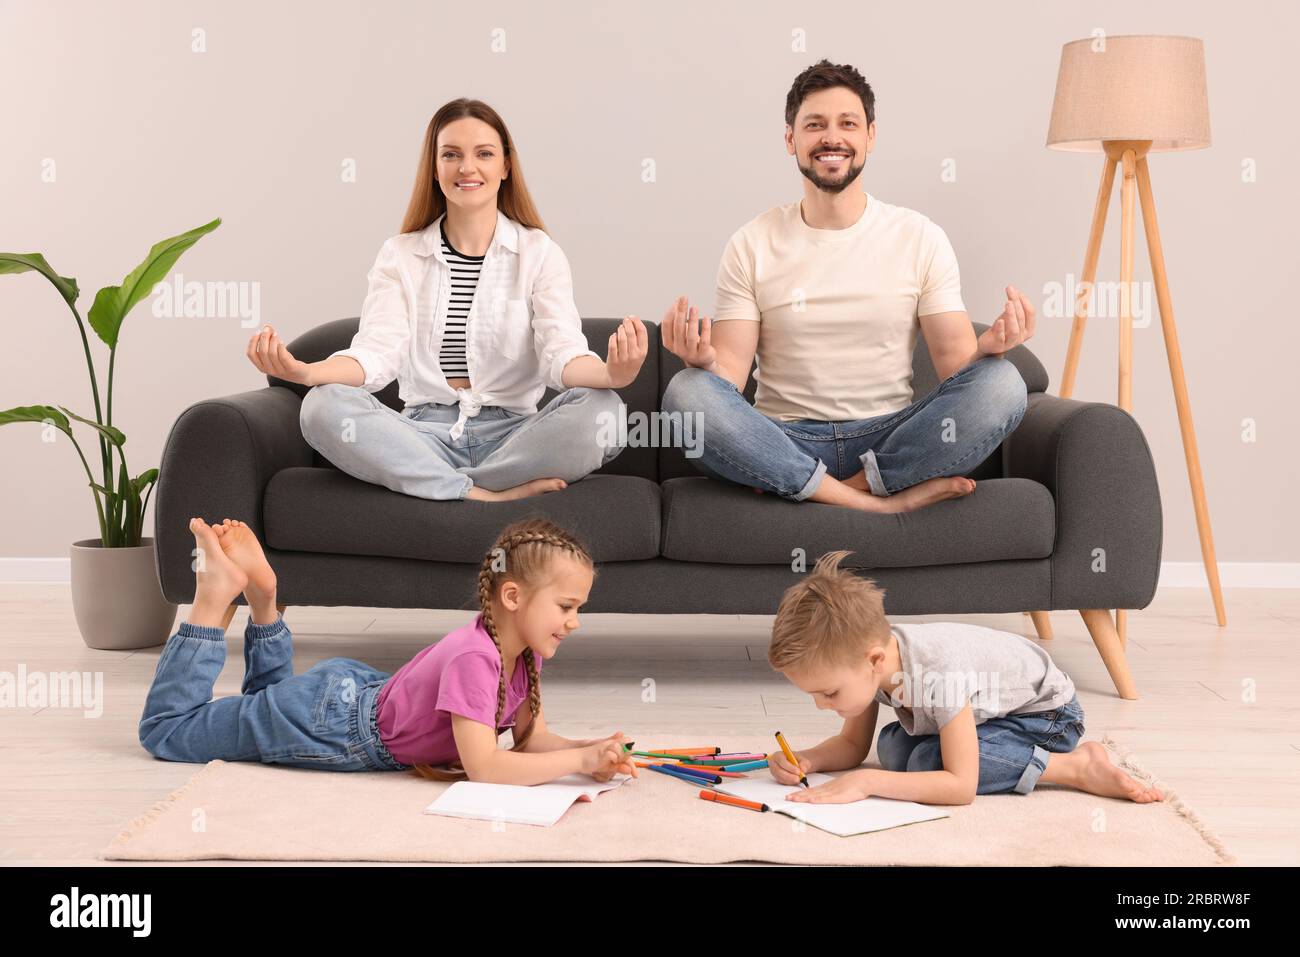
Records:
x=458, y=675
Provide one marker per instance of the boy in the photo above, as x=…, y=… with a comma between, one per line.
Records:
x=979, y=711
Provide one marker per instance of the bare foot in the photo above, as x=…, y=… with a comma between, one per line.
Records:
x=834, y=492
x=931, y=491
x=853, y=492
x=242, y=547
x=218, y=580
x=1088, y=768
x=535, y=487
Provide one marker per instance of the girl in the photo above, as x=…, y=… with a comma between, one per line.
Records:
x=446, y=706
x=471, y=309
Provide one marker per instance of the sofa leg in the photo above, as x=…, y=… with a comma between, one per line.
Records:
x=1042, y=624
x=1102, y=628
x=280, y=607
x=1121, y=626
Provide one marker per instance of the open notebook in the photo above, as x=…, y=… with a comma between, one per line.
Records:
x=540, y=804
x=859, y=817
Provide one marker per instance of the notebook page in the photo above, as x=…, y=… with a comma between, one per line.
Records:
x=539, y=804
x=859, y=817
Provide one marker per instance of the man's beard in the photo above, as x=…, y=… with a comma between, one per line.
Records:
x=830, y=186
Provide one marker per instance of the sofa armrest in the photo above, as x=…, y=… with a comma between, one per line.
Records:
x=219, y=456
x=1096, y=462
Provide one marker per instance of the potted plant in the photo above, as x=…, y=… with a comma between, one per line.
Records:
x=116, y=597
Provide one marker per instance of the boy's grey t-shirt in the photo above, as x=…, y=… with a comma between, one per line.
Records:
x=947, y=664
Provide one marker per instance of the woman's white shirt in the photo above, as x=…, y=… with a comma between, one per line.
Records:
x=523, y=325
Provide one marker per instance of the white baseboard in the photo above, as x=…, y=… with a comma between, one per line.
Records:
x=18, y=570
x=1232, y=575
x=1172, y=574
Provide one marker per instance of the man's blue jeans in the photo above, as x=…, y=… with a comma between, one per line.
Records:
x=948, y=432
x=323, y=718
x=1013, y=750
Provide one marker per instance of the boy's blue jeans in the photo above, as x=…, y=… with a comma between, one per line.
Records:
x=948, y=432
x=1013, y=749
x=323, y=718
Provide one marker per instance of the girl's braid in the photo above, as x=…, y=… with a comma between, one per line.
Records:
x=544, y=533
x=507, y=544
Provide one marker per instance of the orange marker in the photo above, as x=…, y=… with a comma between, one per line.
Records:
x=733, y=801
x=789, y=756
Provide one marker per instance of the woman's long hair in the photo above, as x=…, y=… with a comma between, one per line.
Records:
x=428, y=201
x=523, y=553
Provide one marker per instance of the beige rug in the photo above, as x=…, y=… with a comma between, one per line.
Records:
x=256, y=812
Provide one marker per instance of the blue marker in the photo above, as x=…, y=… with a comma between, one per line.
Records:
x=747, y=766
x=705, y=776
x=683, y=774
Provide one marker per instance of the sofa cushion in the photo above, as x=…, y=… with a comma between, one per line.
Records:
x=706, y=520
x=325, y=510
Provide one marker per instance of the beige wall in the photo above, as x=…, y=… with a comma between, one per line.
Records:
x=150, y=139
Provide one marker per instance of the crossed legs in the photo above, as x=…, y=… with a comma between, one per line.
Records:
x=496, y=459
x=907, y=458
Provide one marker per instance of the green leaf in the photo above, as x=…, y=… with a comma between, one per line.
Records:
x=121, y=502
x=36, y=413
x=147, y=482
x=112, y=303
x=131, y=525
x=23, y=262
x=144, y=480
x=113, y=434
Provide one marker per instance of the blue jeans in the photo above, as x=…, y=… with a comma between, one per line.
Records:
x=323, y=718
x=412, y=451
x=948, y=432
x=1013, y=749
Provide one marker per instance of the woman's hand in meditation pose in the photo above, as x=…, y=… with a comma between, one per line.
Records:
x=267, y=351
x=627, y=351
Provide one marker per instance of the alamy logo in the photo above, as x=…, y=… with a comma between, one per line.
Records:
x=102, y=910
x=177, y=299
x=943, y=689
x=654, y=430
x=54, y=689
x=1104, y=300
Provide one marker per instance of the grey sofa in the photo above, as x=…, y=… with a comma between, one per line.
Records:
x=1075, y=477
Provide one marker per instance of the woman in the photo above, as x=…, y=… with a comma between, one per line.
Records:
x=471, y=309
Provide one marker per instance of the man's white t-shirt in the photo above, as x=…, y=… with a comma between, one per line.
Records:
x=838, y=307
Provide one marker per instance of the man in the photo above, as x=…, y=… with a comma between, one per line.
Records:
x=829, y=293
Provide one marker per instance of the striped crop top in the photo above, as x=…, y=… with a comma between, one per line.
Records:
x=464, y=279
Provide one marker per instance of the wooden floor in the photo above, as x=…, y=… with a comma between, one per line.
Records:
x=1218, y=718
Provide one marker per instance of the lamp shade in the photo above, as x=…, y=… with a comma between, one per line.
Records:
x=1131, y=88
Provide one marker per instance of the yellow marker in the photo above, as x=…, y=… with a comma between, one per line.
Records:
x=789, y=756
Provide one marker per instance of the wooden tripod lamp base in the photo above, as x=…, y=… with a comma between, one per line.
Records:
x=1131, y=158
x=1127, y=96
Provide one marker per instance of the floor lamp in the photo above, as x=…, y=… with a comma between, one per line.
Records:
x=1127, y=96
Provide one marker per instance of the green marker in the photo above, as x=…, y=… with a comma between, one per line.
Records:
x=685, y=758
